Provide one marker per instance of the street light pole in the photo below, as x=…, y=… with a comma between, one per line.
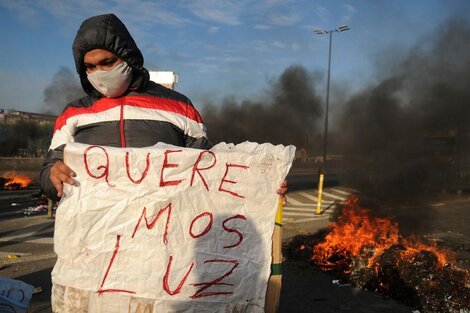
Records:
x=325, y=136
x=341, y=28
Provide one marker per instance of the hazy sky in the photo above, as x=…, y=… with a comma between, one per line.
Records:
x=218, y=47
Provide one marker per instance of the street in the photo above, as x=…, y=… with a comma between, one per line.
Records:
x=26, y=245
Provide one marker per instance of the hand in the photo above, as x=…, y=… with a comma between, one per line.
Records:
x=60, y=174
x=282, y=191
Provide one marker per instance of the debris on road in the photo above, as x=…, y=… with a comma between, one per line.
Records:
x=339, y=283
x=42, y=208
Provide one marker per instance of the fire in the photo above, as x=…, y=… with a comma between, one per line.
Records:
x=370, y=253
x=17, y=181
x=359, y=235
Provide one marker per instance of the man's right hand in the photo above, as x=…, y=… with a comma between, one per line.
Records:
x=60, y=174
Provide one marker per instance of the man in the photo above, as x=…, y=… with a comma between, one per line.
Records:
x=110, y=66
x=122, y=108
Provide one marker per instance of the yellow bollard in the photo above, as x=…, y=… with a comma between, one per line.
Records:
x=320, y=192
x=273, y=291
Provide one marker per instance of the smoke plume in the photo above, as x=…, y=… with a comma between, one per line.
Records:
x=288, y=114
x=408, y=131
x=387, y=130
x=63, y=89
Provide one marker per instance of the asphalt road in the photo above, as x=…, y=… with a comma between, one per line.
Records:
x=445, y=218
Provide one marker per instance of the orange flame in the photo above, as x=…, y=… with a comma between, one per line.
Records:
x=22, y=181
x=413, y=247
x=358, y=234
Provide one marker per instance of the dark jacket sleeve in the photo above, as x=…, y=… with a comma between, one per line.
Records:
x=198, y=143
x=46, y=184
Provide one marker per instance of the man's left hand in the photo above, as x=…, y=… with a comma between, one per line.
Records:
x=282, y=191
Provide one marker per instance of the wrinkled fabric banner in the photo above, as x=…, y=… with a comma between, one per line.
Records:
x=187, y=229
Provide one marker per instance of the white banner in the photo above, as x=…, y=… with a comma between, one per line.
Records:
x=189, y=229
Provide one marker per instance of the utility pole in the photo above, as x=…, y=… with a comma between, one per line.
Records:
x=341, y=28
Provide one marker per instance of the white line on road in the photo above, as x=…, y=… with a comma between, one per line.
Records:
x=304, y=209
x=314, y=203
x=29, y=239
x=20, y=235
x=308, y=196
x=309, y=219
x=326, y=193
x=314, y=198
x=330, y=195
x=291, y=200
x=41, y=240
x=288, y=214
x=307, y=208
x=344, y=192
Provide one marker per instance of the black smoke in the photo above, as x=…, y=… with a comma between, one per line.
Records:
x=386, y=130
x=289, y=113
x=64, y=88
x=406, y=133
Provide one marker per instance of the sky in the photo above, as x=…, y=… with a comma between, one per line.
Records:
x=218, y=48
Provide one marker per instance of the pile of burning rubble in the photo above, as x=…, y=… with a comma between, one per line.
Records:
x=368, y=252
x=12, y=181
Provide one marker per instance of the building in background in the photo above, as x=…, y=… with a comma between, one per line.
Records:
x=13, y=117
x=165, y=78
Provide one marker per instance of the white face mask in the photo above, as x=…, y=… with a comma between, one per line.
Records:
x=112, y=83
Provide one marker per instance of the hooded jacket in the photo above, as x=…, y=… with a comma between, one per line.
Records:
x=146, y=114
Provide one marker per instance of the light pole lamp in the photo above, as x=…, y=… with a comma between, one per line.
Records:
x=320, y=31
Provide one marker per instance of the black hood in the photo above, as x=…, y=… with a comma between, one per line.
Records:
x=109, y=33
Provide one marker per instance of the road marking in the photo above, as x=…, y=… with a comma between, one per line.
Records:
x=30, y=239
x=301, y=205
x=303, y=209
x=330, y=195
x=20, y=234
x=344, y=192
x=41, y=240
x=310, y=219
x=4, y=254
x=298, y=214
x=29, y=236
x=308, y=196
x=292, y=200
x=325, y=194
